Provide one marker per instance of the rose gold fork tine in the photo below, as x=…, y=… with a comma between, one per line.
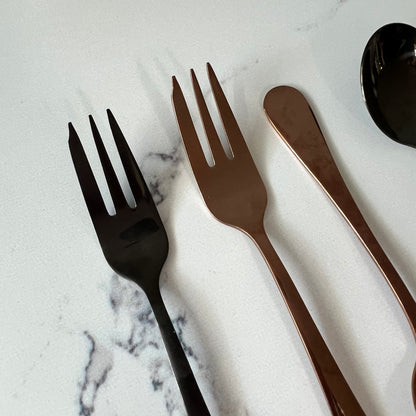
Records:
x=235, y=137
x=186, y=126
x=211, y=133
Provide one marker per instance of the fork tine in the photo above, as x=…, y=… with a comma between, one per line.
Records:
x=211, y=133
x=235, y=137
x=186, y=126
x=89, y=187
x=116, y=192
x=134, y=176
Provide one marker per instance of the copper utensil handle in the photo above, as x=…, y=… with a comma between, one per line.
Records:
x=341, y=399
x=357, y=222
x=291, y=116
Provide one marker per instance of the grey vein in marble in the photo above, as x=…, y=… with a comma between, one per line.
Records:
x=315, y=23
x=100, y=363
x=161, y=168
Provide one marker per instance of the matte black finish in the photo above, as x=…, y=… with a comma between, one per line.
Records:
x=388, y=80
x=134, y=243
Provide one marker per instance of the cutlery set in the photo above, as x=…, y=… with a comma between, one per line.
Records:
x=135, y=244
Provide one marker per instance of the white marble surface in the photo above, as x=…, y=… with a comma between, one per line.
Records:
x=76, y=340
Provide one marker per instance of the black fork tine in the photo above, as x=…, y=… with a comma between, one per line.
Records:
x=235, y=137
x=89, y=187
x=210, y=131
x=134, y=176
x=116, y=192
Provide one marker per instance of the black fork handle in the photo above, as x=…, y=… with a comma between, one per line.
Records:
x=192, y=397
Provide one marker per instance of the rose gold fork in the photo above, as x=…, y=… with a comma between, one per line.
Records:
x=235, y=194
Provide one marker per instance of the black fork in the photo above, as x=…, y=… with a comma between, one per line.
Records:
x=134, y=243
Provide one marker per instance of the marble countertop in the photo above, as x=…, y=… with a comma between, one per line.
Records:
x=77, y=340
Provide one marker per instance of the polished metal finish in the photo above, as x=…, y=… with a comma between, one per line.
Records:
x=388, y=80
x=134, y=243
x=235, y=194
x=290, y=114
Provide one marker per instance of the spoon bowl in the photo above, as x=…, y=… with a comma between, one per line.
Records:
x=388, y=81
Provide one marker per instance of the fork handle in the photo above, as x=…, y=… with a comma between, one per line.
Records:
x=339, y=395
x=192, y=397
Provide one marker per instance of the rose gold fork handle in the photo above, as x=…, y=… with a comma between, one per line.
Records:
x=290, y=114
x=340, y=397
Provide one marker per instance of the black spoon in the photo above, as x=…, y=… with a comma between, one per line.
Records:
x=388, y=81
